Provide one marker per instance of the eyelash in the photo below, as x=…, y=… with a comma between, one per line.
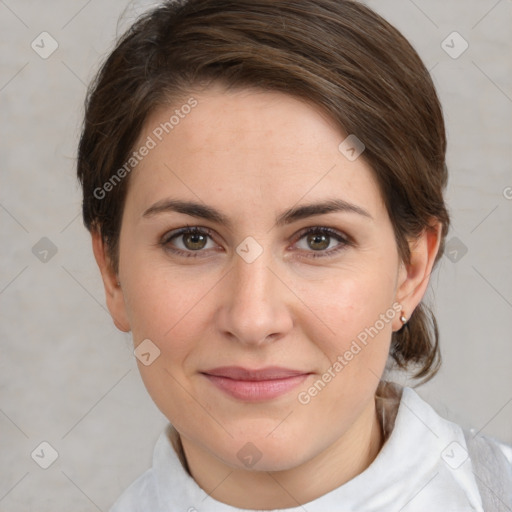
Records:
x=195, y=230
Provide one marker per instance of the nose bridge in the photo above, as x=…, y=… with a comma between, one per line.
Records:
x=252, y=280
x=255, y=308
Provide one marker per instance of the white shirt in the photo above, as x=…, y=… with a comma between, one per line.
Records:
x=423, y=466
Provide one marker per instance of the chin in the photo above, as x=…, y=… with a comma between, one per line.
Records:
x=265, y=453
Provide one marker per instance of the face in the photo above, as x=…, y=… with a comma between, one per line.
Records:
x=249, y=278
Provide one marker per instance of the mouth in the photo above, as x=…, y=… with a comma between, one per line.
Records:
x=255, y=385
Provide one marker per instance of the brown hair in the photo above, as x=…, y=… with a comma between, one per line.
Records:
x=337, y=54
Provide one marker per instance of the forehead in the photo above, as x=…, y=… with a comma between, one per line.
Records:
x=224, y=120
x=265, y=145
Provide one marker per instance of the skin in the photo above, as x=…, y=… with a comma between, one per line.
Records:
x=251, y=155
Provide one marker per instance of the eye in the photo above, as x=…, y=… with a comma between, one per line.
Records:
x=193, y=241
x=323, y=241
x=188, y=241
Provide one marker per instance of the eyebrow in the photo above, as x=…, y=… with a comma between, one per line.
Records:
x=287, y=217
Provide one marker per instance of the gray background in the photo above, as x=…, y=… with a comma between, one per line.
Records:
x=68, y=377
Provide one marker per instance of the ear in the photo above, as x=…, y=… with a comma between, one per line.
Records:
x=414, y=276
x=113, y=292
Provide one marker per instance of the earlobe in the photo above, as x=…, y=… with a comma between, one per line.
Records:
x=113, y=292
x=415, y=276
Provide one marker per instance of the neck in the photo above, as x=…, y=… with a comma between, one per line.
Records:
x=347, y=457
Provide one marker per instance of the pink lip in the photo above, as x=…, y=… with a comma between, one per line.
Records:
x=255, y=385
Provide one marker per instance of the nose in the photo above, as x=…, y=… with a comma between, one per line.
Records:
x=255, y=303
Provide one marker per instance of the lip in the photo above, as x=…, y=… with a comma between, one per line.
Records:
x=253, y=385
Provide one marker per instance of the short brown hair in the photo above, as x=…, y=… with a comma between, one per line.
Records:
x=337, y=54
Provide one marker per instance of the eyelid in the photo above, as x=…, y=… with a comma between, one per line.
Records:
x=343, y=239
x=166, y=238
x=324, y=229
x=174, y=233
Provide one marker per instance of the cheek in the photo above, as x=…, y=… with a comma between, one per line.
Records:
x=175, y=310
x=174, y=316
x=354, y=335
x=159, y=298
x=347, y=303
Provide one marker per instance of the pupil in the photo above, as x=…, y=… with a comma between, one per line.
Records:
x=196, y=238
x=323, y=240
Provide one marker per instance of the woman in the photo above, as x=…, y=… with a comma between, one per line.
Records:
x=263, y=182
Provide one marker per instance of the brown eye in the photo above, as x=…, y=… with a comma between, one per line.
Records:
x=194, y=241
x=318, y=242
x=322, y=242
x=189, y=241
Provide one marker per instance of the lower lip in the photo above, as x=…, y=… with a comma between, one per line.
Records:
x=256, y=391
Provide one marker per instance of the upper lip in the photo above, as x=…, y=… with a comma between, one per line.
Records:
x=240, y=373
